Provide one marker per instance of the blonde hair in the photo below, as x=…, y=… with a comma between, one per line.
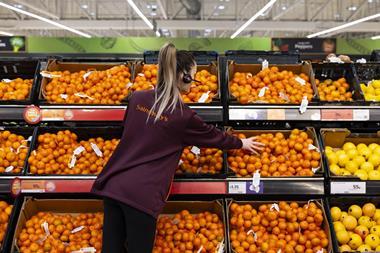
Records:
x=167, y=94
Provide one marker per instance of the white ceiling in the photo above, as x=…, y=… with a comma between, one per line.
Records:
x=216, y=18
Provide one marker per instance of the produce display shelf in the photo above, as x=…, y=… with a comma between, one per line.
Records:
x=313, y=113
x=12, y=112
x=83, y=184
x=352, y=186
x=277, y=186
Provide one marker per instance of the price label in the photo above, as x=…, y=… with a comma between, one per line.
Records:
x=360, y=115
x=276, y=114
x=237, y=188
x=348, y=187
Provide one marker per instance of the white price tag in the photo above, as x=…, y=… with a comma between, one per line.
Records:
x=5, y=80
x=314, y=170
x=87, y=74
x=254, y=234
x=45, y=226
x=361, y=60
x=180, y=162
x=348, y=187
x=312, y=147
x=195, y=150
x=304, y=104
x=264, y=64
x=29, y=138
x=96, y=149
x=220, y=248
x=360, y=115
x=49, y=75
x=79, y=150
x=204, y=97
x=262, y=91
x=237, y=187
x=76, y=230
x=72, y=161
x=63, y=96
x=9, y=169
x=88, y=250
x=20, y=147
x=129, y=85
x=275, y=206
x=82, y=95
x=284, y=96
x=256, y=182
x=140, y=74
x=300, y=80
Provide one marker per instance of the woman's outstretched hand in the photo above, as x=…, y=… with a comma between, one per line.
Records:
x=252, y=146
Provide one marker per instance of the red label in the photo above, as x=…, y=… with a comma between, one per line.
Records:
x=199, y=188
x=32, y=114
x=83, y=114
x=334, y=114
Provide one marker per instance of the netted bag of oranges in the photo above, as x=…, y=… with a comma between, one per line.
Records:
x=271, y=228
x=88, y=87
x=330, y=90
x=50, y=232
x=13, y=151
x=16, y=89
x=271, y=85
x=147, y=78
x=185, y=232
x=62, y=153
x=5, y=213
x=206, y=160
x=281, y=156
x=204, y=90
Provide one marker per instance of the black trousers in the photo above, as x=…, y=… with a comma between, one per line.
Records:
x=124, y=224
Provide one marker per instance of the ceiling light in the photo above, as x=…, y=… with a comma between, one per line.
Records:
x=375, y=37
x=27, y=13
x=370, y=1
x=158, y=34
x=352, y=8
x=221, y=7
x=153, y=13
x=241, y=28
x=284, y=8
x=18, y=6
x=84, y=6
x=344, y=25
x=216, y=14
x=208, y=30
x=148, y=6
x=154, y=6
x=6, y=33
x=141, y=15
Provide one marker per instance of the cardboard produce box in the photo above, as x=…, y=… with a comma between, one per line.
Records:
x=255, y=204
x=212, y=68
x=195, y=207
x=336, y=137
x=309, y=130
x=73, y=66
x=32, y=206
x=254, y=69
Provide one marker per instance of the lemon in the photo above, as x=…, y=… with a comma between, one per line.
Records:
x=351, y=166
x=333, y=158
x=335, y=213
x=362, y=174
x=350, y=222
x=367, y=166
x=359, y=160
x=352, y=153
x=343, y=159
x=355, y=211
x=348, y=145
x=335, y=169
x=374, y=159
x=342, y=236
x=372, y=146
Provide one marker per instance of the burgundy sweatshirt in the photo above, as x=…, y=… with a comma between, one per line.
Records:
x=141, y=169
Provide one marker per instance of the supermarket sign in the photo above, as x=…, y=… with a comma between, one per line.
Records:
x=304, y=45
x=12, y=44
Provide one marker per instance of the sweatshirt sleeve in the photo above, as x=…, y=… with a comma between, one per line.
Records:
x=198, y=133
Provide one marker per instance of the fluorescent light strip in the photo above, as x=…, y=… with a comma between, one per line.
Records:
x=158, y=34
x=142, y=16
x=375, y=37
x=6, y=34
x=266, y=7
x=355, y=22
x=27, y=13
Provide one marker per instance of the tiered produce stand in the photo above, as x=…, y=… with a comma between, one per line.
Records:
x=220, y=183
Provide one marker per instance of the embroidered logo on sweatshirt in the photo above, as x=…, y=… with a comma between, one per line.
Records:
x=144, y=109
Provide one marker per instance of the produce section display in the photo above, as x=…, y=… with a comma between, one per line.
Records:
x=356, y=225
x=200, y=161
x=85, y=84
x=286, y=153
x=273, y=227
x=64, y=153
x=330, y=90
x=16, y=89
x=350, y=155
x=13, y=152
x=274, y=85
x=190, y=231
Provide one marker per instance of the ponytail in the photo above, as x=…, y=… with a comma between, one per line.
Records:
x=167, y=94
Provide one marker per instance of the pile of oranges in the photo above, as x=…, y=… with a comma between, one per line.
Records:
x=208, y=85
x=17, y=89
x=330, y=90
x=55, y=154
x=13, y=151
x=271, y=85
x=292, y=156
x=146, y=79
x=97, y=87
x=210, y=160
x=185, y=232
x=5, y=212
x=49, y=232
x=269, y=228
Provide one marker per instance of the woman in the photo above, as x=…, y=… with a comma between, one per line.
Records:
x=136, y=181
